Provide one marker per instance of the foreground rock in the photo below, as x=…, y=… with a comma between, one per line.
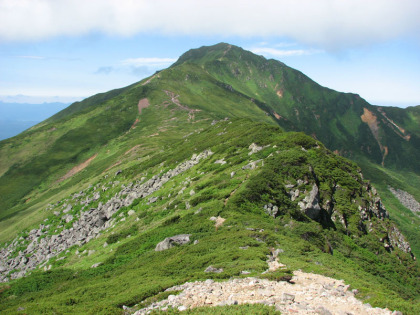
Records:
x=310, y=294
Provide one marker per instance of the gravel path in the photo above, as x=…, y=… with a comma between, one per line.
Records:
x=309, y=294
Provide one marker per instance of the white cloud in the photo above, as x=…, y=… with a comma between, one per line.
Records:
x=278, y=53
x=331, y=24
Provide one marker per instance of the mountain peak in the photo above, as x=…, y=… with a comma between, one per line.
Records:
x=213, y=52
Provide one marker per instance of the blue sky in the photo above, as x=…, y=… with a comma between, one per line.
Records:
x=65, y=50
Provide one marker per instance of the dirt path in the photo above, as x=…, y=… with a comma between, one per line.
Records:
x=77, y=168
x=174, y=99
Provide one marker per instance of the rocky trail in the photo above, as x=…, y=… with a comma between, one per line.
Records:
x=306, y=293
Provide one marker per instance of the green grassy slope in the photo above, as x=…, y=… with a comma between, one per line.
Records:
x=386, y=136
x=298, y=103
x=208, y=84
x=36, y=159
x=132, y=271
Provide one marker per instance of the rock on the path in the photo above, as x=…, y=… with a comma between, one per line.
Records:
x=288, y=297
x=322, y=311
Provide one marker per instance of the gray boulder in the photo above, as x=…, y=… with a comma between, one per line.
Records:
x=213, y=269
x=172, y=241
x=310, y=205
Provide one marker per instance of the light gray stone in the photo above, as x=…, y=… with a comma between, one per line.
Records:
x=170, y=242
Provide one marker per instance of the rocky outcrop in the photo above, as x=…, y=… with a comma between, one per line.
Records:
x=370, y=209
x=42, y=244
x=310, y=204
x=271, y=210
x=173, y=241
x=254, y=148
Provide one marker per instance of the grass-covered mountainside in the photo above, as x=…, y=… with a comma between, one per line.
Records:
x=101, y=183
x=342, y=121
x=257, y=178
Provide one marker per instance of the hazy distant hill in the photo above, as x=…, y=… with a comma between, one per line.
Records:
x=17, y=117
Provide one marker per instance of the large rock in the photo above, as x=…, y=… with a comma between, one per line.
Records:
x=172, y=241
x=310, y=205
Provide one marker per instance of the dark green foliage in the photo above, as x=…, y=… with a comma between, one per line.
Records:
x=113, y=238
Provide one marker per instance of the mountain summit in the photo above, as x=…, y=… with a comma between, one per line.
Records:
x=203, y=171
x=344, y=122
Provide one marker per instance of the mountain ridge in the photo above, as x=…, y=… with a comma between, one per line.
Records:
x=90, y=193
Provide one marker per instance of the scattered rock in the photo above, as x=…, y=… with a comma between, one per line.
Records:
x=170, y=242
x=96, y=265
x=288, y=297
x=218, y=221
x=271, y=210
x=213, y=269
x=322, y=311
x=152, y=200
x=221, y=161
x=252, y=165
x=254, y=148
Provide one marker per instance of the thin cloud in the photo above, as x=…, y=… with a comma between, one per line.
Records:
x=32, y=57
x=284, y=52
x=137, y=66
x=151, y=62
x=328, y=24
x=104, y=70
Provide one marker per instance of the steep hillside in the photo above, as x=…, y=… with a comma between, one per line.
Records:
x=45, y=153
x=230, y=200
x=196, y=158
